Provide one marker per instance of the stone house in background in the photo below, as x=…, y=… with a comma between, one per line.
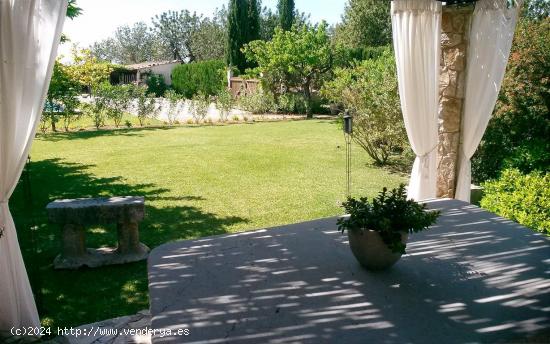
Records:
x=137, y=73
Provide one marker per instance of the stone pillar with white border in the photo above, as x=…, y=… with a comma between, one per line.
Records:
x=455, y=31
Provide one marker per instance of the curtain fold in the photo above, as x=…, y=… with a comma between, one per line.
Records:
x=416, y=28
x=30, y=31
x=491, y=34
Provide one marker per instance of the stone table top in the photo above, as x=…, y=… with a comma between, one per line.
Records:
x=474, y=277
x=87, y=211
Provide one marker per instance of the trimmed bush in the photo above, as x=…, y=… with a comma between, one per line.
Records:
x=156, y=85
x=207, y=77
x=522, y=198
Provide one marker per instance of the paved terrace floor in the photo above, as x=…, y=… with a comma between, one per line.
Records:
x=474, y=277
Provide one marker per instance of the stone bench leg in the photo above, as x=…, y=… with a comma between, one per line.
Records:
x=128, y=238
x=74, y=241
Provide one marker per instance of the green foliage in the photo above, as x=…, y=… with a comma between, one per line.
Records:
x=286, y=14
x=253, y=27
x=390, y=214
x=518, y=134
x=259, y=102
x=175, y=30
x=118, y=100
x=536, y=9
x=365, y=23
x=199, y=107
x=62, y=95
x=207, y=77
x=146, y=104
x=519, y=197
x=208, y=41
x=156, y=84
x=87, y=69
x=97, y=109
x=174, y=104
x=225, y=103
x=369, y=91
x=237, y=33
x=293, y=60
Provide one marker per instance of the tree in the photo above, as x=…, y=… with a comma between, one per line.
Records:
x=87, y=69
x=295, y=59
x=208, y=41
x=536, y=9
x=369, y=90
x=253, y=21
x=517, y=135
x=135, y=43
x=174, y=105
x=117, y=99
x=365, y=23
x=106, y=50
x=146, y=104
x=175, y=30
x=286, y=14
x=237, y=33
x=62, y=97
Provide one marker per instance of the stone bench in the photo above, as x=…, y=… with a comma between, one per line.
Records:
x=75, y=214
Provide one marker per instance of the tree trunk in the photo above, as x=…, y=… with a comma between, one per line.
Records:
x=307, y=96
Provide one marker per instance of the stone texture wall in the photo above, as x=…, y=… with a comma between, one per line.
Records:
x=454, y=45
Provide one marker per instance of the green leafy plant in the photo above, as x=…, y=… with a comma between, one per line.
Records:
x=146, y=104
x=258, y=102
x=199, y=107
x=369, y=90
x=524, y=198
x=156, y=84
x=225, y=103
x=174, y=105
x=298, y=60
x=389, y=214
x=207, y=77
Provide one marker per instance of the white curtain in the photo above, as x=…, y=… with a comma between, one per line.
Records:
x=416, y=39
x=30, y=31
x=491, y=34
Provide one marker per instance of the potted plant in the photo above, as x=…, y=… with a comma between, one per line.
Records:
x=378, y=230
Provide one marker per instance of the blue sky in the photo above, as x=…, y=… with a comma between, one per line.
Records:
x=101, y=17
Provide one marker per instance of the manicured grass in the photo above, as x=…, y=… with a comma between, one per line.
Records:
x=197, y=181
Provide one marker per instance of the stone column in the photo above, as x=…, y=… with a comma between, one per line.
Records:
x=455, y=27
x=128, y=238
x=73, y=241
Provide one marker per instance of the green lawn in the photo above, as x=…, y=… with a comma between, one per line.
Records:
x=197, y=181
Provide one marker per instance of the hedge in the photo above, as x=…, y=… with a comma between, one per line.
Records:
x=524, y=198
x=207, y=77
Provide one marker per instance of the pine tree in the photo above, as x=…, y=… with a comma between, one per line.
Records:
x=237, y=23
x=286, y=14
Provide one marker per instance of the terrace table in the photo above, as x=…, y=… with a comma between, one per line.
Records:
x=474, y=277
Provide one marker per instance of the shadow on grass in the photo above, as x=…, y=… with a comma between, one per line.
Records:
x=69, y=298
x=88, y=134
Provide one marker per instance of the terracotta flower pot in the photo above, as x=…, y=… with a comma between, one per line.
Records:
x=371, y=251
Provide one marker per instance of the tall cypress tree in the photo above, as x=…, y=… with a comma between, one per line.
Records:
x=286, y=14
x=253, y=21
x=237, y=35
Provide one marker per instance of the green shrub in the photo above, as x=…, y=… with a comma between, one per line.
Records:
x=207, y=77
x=199, y=107
x=517, y=135
x=524, y=198
x=156, y=85
x=259, y=102
x=225, y=103
x=369, y=90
